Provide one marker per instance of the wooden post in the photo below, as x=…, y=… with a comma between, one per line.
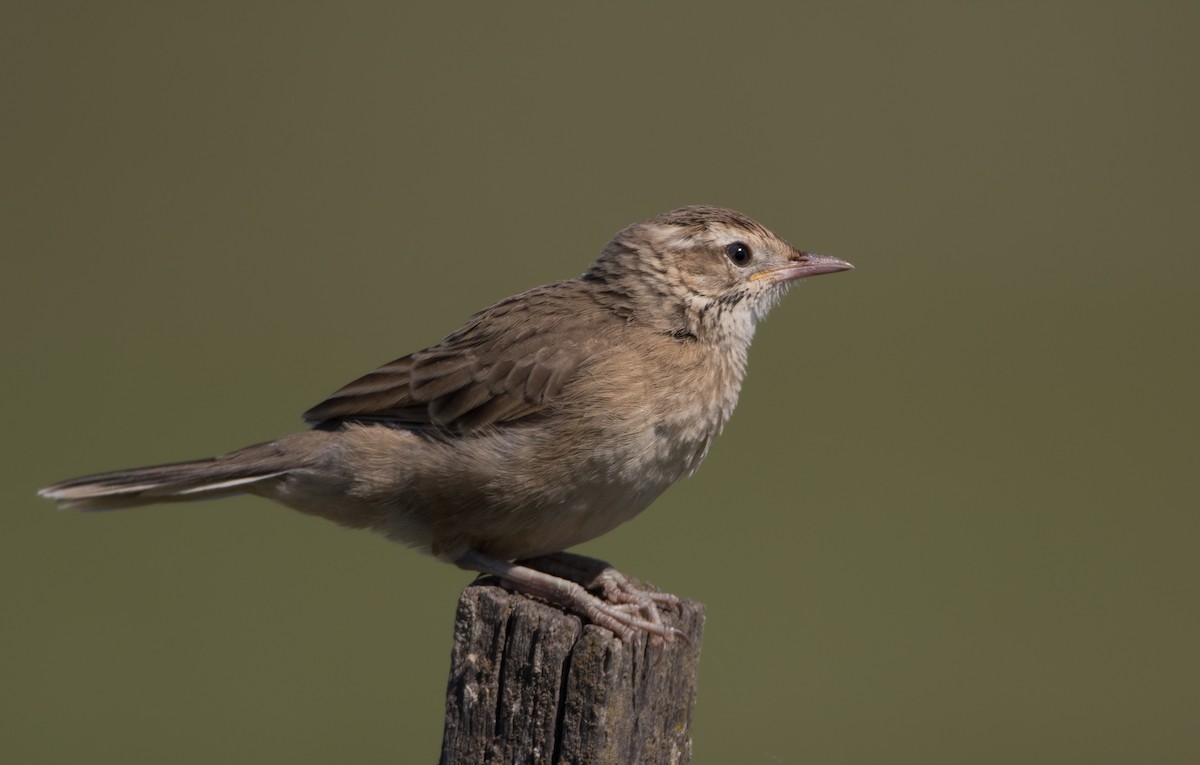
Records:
x=530, y=684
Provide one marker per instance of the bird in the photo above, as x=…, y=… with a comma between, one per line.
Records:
x=546, y=420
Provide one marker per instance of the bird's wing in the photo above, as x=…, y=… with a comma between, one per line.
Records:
x=509, y=362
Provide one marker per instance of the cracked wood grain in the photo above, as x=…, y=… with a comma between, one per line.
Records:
x=530, y=683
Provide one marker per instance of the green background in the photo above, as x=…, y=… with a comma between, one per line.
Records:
x=954, y=519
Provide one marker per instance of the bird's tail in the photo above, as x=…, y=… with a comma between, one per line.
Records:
x=232, y=473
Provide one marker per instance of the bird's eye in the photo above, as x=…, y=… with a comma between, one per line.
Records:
x=739, y=253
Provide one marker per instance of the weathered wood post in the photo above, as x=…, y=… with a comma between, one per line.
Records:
x=530, y=683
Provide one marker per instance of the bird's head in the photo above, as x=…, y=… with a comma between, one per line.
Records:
x=703, y=272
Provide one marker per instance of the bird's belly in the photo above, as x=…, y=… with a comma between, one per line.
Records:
x=618, y=479
x=509, y=494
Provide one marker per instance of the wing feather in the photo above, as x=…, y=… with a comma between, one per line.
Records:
x=497, y=369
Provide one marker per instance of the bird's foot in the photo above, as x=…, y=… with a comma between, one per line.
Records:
x=622, y=605
x=612, y=586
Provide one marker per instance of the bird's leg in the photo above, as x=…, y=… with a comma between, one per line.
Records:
x=624, y=619
x=601, y=578
x=596, y=575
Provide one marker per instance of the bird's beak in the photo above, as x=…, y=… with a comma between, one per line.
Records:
x=801, y=265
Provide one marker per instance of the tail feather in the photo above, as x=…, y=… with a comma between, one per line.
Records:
x=179, y=481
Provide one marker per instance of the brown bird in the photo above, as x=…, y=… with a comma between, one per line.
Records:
x=547, y=420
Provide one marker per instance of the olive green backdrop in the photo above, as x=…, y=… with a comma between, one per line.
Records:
x=953, y=520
